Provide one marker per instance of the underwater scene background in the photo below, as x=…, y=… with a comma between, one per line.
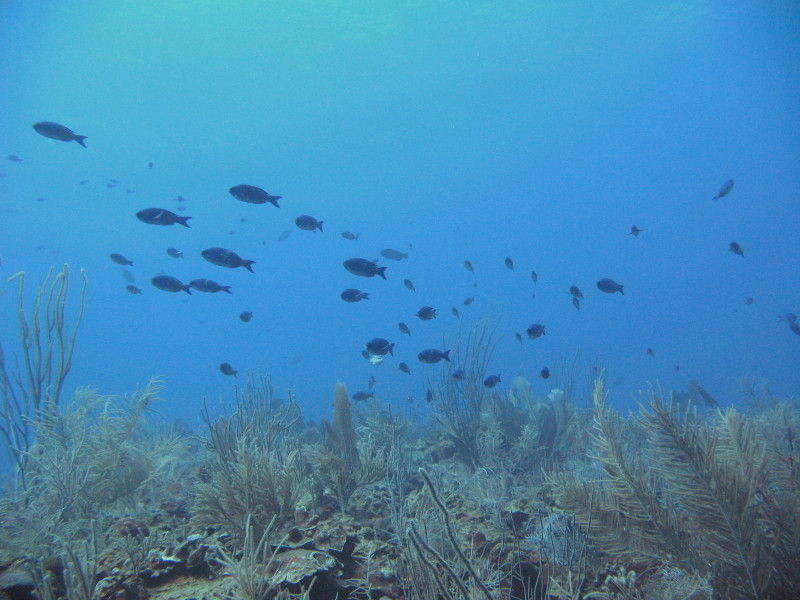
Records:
x=598, y=202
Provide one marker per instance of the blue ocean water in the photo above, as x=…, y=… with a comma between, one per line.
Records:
x=540, y=131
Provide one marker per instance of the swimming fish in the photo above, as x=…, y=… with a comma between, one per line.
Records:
x=308, y=223
x=127, y=275
x=535, y=277
x=222, y=257
x=518, y=335
x=426, y=313
x=174, y=253
x=509, y=263
x=393, y=254
x=349, y=235
x=161, y=216
x=575, y=291
x=132, y=289
x=404, y=328
x=491, y=381
x=635, y=231
x=284, y=234
x=576, y=302
x=170, y=284
x=544, y=373
x=354, y=295
x=458, y=374
x=404, y=368
x=454, y=310
x=55, y=131
x=364, y=267
x=736, y=249
x=253, y=195
x=536, y=331
x=119, y=259
x=409, y=285
x=724, y=189
x=245, y=316
x=467, y=264
x=226, y=369
x=361, y=396
x=209, y=286
x=432, y=356
x=14, y=158
x=609, y=286
x=468, y=301
x=379, y=347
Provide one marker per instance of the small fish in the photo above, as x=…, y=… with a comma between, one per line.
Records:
x=222, y=257
x=576, y=302
x=209, y=286
x=361, y=396
x=371, y=382
x=536, y=331
x=575, y=291
x=404, y=368
x=749, y=301
x=428, y=396
x=788, y=318
x=609, y=286
x=794, y=326
x=349, y=235
x=468, y=266
x=404, y=328
x=454, y=310
x=364, y=267
x=55, y=131
x=174, y=253
x=491, y=381
x=150, y=165
x=119, y=259
x=426, y=313
x=518, y=335
x=115, y=181
x=354, y=295
x=161, y=216
x=393, y=254
x=133, y=290
x=431, y=356
x=468, y=301
x=544, y=373
x=650, y=352
x=83, y=181
x=127, y=275
x=677, y=368
x=379, y=347
x=409, y=285
x=245, y=316
x=226, y=369
x=284, y=234
x=736, y=249
x=635, y=231
x=170, y=284
x=14, y=158
x=535, y=277
x=724, y=189
x=308, y=223
x=509, y=263
x=180, y=199
x=181, y=208
x=458, y=374
x=130, y=191
x=253, y=195
x=111, y=185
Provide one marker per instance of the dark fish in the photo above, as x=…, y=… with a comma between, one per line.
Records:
x=409, y=285
x=749, y=301
x=127, y=275
x=180, y=199
x=426, y=313
x=223, y=257
x=14, y=158
x=724, y=190
x=468, y=301
x=371, y=382
x=55, y=131
x=161, y=216
x=119, y=259
x=111, y=185
x=428, y=396
x=535, y=277
x=635, y=231
x=379, y=347
x=609, y=286
x=364, y=267
x=468, y=266
x=150, y=165
x=404, y=368
x=575, y=291
x=361, y=396
x=788, y=318
x=354, y=295
x=544, y=373
x=284, y=234
x=349, y=235
x=509, y=263
x=650, y=352
x=431, y=356
x=677, y=368
x=132, y=289
x=209, y=286
x=736, y=249
x=393, y=254
x=536, y=331
x=245, y=316
x=174, y=253
x=181, y=208
x=115, y=181
x=491, y=381
x=308, y=223
x=404, y=328
x=169, y=284
x=518, y=335
x=576, y=303
x=794, y=326
x=454, y=310
x=227, y=369
x=253, y=195
x=83, y=181
x=459, y=374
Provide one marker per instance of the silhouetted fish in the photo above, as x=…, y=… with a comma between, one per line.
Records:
x=354, y=295
x=245, y=316
x=432, y=356
x=404, y=368
x=467, y=264
x=174, y=253
x=209, y=286
x=544, y=373
x=724, y=189
x=132, y=289
x=226, y=369
x=536, y=331
x=468, y=301
x=14, y=158
x=404, y=328
x=409, y=285
x=349, y=235
x=119, y=259
x=509, y=263
x=161, y=216
x=393, y=254
x=308, y=223
x=364, y=267
x=458, y=374
x=575, y=291
x=426, y=313
x=58, y=132
x=518, y=335
x=576, y=303
x=284, y=234
x=361, y=396
x=454, y=310
x=222, y=257
x=609, y=286
x=491, y=381
x=253, y=195
x=127, y=275
x=170, y=284
x=635, y=231
x=379, y=347
x=736, y=249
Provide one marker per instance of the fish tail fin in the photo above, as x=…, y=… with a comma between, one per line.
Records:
x=79, y=139
x=187, y=289
x=226, y=288
x=248, y=264
x=319, y=224
x=391, y=349
x=366, y=296
x=274, y=200
x=446, y=355
x=183, y=221
x=380, y=272
x=620, y=290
